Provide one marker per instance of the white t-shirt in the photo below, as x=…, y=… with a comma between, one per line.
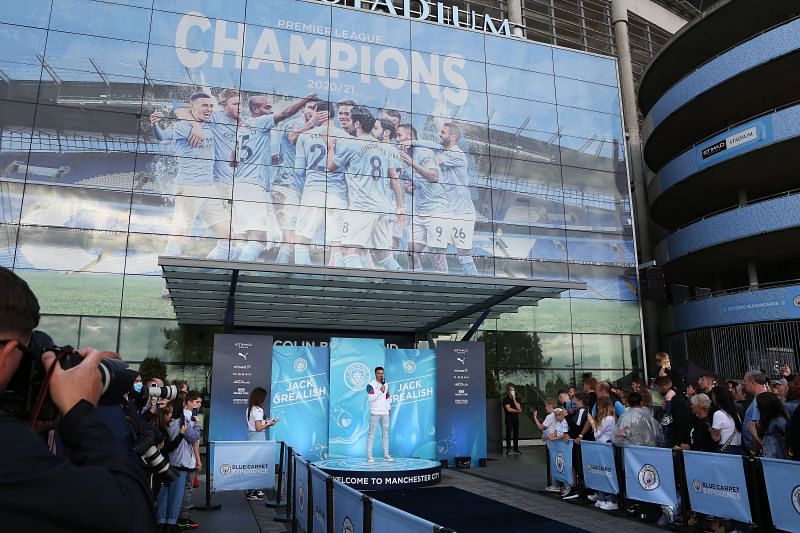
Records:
x=551, y=426
x=256, y=413
x=724, y=423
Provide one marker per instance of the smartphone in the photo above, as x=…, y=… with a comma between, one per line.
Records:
x=194, y=412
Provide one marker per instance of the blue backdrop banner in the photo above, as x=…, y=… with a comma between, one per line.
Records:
x=460, y=401
x=244, y=465
x=353, y=363
x=649, y=475
x=241, y=363
x=348, y=509
x=717, y=485
x=301, y=491
x=599, y=469
x=300, y=398
x=400, y=521
x=560, y=460
x=783, y=491
x=319, y=499
x=411, y=375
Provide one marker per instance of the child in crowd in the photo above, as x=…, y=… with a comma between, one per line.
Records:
x=604, y=428
x=554, y=427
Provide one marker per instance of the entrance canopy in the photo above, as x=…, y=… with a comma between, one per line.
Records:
x=235, y=293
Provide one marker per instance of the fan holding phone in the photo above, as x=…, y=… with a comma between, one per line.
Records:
x=257, y=427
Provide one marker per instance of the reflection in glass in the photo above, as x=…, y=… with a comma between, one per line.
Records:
x=97, y=332
x=64, y=330
x=73, y=293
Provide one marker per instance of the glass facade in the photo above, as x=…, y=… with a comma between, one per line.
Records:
x=424, y=147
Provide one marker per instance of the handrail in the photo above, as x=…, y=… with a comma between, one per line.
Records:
x=736, y=290
x=790, y=192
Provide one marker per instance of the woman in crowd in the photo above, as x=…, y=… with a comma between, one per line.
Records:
x=726, y=426
x=700, y=432
x=769, y=432
x=604, y=428
x=257, y=428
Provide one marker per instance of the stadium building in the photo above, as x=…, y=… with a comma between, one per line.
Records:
x=721, y=133
x=139, y=200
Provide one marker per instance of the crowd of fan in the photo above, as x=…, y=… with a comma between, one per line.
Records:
x=757, y=417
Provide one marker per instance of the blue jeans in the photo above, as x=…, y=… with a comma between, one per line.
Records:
x=168, y=504
x=374, y=420
x=257, y=435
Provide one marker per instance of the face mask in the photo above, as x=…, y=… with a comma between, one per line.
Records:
x=513, y=393
x=137, y=387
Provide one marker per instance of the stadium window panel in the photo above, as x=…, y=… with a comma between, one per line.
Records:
x=602, y=374
x=451, y=104
x=527, y=179
x=596, y=154
x=194, y=36
x=531, y=242
x=517, y=114
x=98, y=332
x=173, y=82
x=595, y=188
x=183, y=215
x=102, y=19
x=519, y=54
x=550, y=271
x=299, y=17
x=108, y=59
x=10, y=201
x=378, y=93
x=65, y=128
x=143, y=252
x=369, y=59
x=72, y=250
x=524, y=145
x=291, y=83
x=143, y=298
x=62, y=292
x=632, y=351
x=590, y=124
x=371, y=29
x=585, y=67
x=75, y=207
x=508, y=81
x=34, y=13
x=587, y=95
x=591, y=248
x=605, y=316
x=19, y=47
x=231, y=10
x=64, y=330
x=16, y=133
x=447, y=41
x=139, y=339
x=8, y=243
x=474, y=140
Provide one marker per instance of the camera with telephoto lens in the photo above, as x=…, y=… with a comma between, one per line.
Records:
x=170, y=392
x=155, y=462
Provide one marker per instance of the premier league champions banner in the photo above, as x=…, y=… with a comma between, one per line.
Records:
x=411, y=375
x=461, y=401
x=241, y=363
x=599, y=469
x=353, y=363
x=649, y=475
x=300, y=398
x=783, y=490
x=717, y=485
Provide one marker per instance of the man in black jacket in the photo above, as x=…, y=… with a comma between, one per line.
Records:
x=676, y=415
x=95, y=487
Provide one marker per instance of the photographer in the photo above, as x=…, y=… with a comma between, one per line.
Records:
x=97, y=486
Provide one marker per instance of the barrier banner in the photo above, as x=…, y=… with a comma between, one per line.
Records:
x=300, y=398
x=244, y=465
x=348, y=509
x=461, y=401
x=717, y=485
x=412, y=430
x=649, y=475
x=241, y=363
x=783, y=491
x=301, y=491
x=599, y=468
x=388, y=518
x=560, y=460
x=319, y=500
x=352, y=365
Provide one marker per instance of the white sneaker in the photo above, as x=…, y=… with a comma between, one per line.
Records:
x=608, y=506
x=565, y=491
x=592, y=497
x=553, y=488
x=599, y=505
x=388, y=458
x=370, y=460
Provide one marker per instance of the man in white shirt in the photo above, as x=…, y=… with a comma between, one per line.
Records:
x=379, y=402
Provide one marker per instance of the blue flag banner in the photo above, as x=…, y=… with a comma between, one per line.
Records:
x=319, y=499
x=300, y=398
x=460, y=401
x=353, y=363
x=560, y=460
x=348, y=509
x=783, y=491
x=399, y=521
x=301, y=491
x=717, y=485
x=411, y=375
x=599, y=469
x=244, y=465
x=241, y=363
x=649, y=475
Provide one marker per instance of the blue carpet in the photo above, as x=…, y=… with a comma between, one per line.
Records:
x=466, y=512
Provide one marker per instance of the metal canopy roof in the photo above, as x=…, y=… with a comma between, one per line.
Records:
x=241, y=294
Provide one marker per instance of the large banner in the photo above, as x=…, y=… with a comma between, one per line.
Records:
x=649, y=475
x=300, y=398
x=319, y=500
x=461, y=401
x=244, y=465
x=348, y=509
x=599, y=468
x=411, y=375
x=353, y=363
x=241, y=363
x=717, y=485
x=301, y=493
x=560, y=453
x=783, y=490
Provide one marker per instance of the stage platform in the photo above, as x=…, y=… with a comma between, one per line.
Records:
x=402, y=473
